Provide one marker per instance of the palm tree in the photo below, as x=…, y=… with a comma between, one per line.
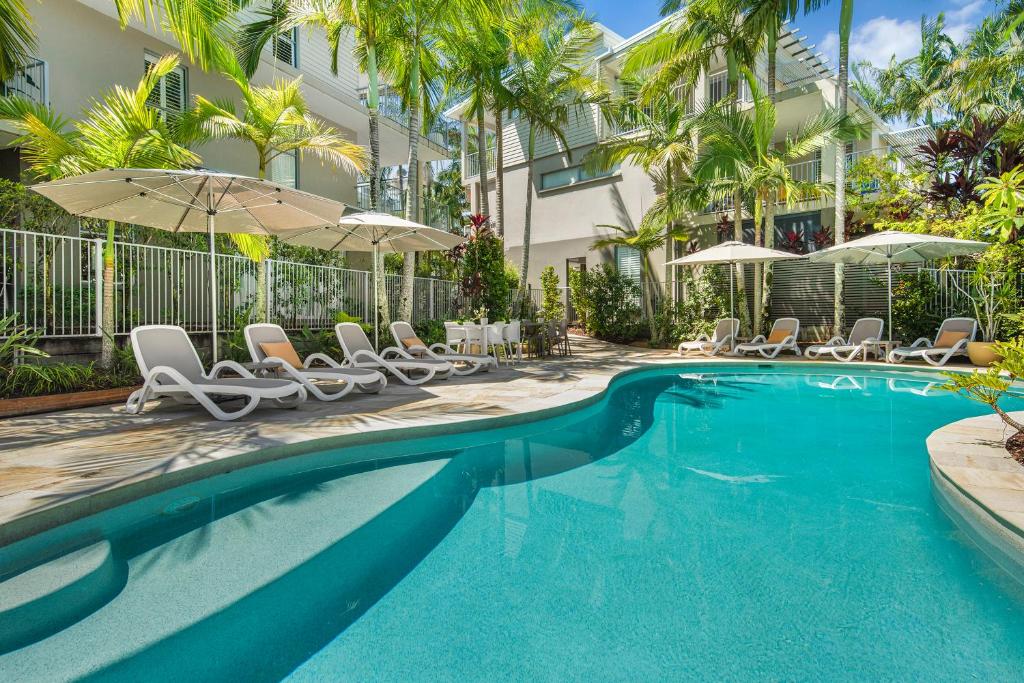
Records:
x=204, y=28
x=410, y=59
x=739, y=151
x=118, y=130
x=368, y=21
x=659, y=137
x=276, y=121
x=547, y=84
x=684, y=49
x=653, y=234
x=17, y=42
x=917, y=87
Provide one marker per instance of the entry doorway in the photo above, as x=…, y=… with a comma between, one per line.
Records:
x=577, y=264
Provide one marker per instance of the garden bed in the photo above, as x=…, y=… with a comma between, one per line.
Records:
x=31, y=405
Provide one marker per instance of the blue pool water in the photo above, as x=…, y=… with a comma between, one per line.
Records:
x=752, y=524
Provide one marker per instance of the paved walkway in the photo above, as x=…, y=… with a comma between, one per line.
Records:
x=74, y=462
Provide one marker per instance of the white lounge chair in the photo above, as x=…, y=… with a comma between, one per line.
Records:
x=724, y=336
x=782, y=338
x=864, y=338
x=171, y=367
x=359, y=353
x=951, y=340
x=405, y=338
x=268, y=343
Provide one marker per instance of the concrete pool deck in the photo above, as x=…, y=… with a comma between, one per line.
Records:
x=62, y=466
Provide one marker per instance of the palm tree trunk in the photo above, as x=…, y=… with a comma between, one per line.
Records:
x=741, y=281
x=107, y=326
x=769, y=243
x=412, y=202
x=499, y=173
x=758, y=283
x=524, y=267
x=380, y=317
x=481, y=145
x=845, y=23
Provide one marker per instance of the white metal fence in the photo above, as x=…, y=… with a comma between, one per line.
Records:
x=54, y=285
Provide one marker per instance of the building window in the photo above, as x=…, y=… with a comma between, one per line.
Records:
x=286, y=47
x=284, y=169
x=570, y=176
x=170, y=95
x=627, y=262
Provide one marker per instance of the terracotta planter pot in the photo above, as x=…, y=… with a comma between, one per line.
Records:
x=982, y=354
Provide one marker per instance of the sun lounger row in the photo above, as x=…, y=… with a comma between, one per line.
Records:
x=170, y=367
x=951, y=340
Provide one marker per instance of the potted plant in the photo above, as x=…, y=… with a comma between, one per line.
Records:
x=990, y=295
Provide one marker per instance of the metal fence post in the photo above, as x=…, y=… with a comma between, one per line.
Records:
x=431, y=314
x=97, y=265
x=269, y=303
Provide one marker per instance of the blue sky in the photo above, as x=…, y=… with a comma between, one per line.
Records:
x=880, y=27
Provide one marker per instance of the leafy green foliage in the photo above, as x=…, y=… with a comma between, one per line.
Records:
x=911, y=297
x=608, y=303
x=551, y=307
x=991, y=386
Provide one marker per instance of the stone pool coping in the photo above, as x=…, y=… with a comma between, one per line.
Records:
x=981, y=486
x=63, y=466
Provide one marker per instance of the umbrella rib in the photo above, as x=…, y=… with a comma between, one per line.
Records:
x=187, y=210
x=223, y=194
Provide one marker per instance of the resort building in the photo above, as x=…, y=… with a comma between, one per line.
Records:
x=570, y=204
x=82, y=52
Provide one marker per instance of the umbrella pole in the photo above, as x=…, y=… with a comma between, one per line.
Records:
x=732, y=291
x=213, y=265
x=376, y=317
x=888, y=270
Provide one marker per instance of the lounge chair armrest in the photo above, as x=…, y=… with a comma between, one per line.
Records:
x=922, y=341
x=788, y=340
x=759, y=339
x=323, y=358
x=701, y=338
x=172, y=374
x=223, y=365
x=441, y=347
x=394, y=352
x=870, y=340
x=836, y=341
x=363, y=354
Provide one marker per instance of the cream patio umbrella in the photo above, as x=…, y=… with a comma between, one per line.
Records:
x=192, y=201
x=376, y=232
x=893, y=246
x=732, y=253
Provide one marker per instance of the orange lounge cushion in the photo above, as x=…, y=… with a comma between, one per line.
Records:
x=949, y=338
x=409, y=342
x=283, y=350
x=778, y=335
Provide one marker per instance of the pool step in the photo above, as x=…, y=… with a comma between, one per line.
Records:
x=51, y=595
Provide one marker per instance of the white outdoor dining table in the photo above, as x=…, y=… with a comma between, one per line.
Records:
x=475, y=333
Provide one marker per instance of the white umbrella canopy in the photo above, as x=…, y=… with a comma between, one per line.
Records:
x=192, y=201
x=376, y=232
x=893, y=246
x=731, y=253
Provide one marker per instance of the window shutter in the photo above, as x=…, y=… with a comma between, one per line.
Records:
x=627, y=261
x=284, y=169
x=170, y=95
x=284, y=46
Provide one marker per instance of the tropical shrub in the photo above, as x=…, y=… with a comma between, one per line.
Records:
x=911, y=297
x=609, y=303
x=991, y=386
x=698, y=312
x=484, y=281
x=551, y=307
x=430, y=331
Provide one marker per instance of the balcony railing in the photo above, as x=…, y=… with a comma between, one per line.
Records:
x=29, y=82
x=635, y=122
x=390, y=106
x=805, y=171
x=473, y=162
x=718, y=87
x=392, y=200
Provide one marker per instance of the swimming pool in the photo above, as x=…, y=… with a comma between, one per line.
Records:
x=750, y=522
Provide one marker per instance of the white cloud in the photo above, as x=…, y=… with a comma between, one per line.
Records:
x=881, y=37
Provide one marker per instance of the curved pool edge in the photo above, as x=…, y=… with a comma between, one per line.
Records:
x=980, y=486
x=597, y=386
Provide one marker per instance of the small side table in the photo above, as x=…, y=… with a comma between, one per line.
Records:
x=884, y=347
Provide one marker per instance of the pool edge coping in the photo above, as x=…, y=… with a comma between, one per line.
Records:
x=44, y=519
